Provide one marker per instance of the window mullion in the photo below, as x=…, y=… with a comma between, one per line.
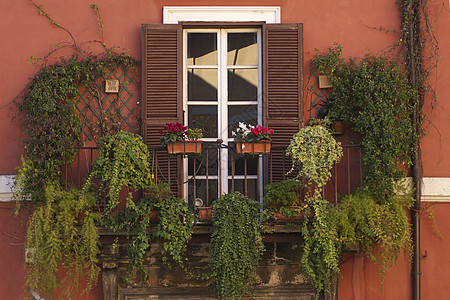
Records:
x=223, y=109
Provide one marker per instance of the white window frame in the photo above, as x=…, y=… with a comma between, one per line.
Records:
x=222, y=105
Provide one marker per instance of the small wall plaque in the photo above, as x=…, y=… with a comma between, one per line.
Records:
x=324, y=82
x=112, y=86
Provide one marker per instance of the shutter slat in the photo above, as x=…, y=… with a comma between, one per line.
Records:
x=283, y=89
x=161, y=91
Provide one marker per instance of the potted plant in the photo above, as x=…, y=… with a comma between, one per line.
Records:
x=252, y=140
x=283, y=200
x=179, y=139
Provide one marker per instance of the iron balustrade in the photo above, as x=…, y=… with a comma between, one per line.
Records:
x=347, y=175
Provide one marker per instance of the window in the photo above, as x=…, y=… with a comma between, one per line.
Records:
x=222, y=87
x=214, y=81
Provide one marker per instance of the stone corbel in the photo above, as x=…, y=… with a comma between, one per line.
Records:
x=110, y=262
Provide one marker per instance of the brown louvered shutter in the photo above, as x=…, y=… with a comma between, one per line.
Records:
x=161, y=90
x=283, y=89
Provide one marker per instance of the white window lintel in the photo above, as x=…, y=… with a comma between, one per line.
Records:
x=176, y=14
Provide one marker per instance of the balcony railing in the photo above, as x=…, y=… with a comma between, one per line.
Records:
x=196, y=176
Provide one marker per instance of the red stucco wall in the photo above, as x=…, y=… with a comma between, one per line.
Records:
x=24, y=33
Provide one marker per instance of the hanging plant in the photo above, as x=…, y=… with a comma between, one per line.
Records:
x=314, y=150
x=236, y=245
x=58, y=243
x=122, y=163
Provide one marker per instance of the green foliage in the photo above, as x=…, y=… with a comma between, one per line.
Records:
x=236, y=245
x=57, y=241
x=47, y=111
x=377, y=101
x=282, y=196
x=174, y=228
x=382, y=230
x=99, y=20
x=315, y=151
x=322, y=244
x=194, y=133
x=122, y=162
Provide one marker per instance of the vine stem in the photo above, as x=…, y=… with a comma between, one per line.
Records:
x=42, y=12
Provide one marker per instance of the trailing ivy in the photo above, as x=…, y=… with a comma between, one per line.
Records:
x=172, y=228
x=236, y=245
x=55, y=240
x=122, y=162
x=314, y=150
x=382, y=230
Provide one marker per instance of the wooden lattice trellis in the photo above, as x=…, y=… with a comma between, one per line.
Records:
x=102, y=112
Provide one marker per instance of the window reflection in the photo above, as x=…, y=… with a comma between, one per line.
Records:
x=202, y=49
x=241, y=113
x=202, y=85
x=242, y=49
x=242, y=84
x=205, y=118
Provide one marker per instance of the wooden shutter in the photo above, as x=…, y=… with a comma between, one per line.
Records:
x=283, y=89
x=162, y=90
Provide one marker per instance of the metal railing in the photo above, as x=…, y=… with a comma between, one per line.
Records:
x=202, y=180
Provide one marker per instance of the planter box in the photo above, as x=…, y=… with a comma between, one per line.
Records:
x=185, y=147
x=282, y=218
x=262, y=147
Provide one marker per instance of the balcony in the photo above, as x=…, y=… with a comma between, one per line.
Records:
x=196, y=177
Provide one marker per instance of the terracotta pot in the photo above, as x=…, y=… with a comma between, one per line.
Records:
x=184, y=147
x=205, y=213
x=154, y=217
x=262, y=147
x=339, y=128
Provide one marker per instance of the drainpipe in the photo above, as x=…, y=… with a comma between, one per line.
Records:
x=414, y=62
x=415, y=218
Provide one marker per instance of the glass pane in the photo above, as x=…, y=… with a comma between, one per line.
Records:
x=242, y=49
x=200, y=191
x=239, y=162
x=241, y=113
x=239, y=186
x=202, y=49
x=202, y=84
x=242, y=84
x=204, y=117
x=207, y=159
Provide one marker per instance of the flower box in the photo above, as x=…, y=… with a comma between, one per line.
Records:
x=261, y=147
x=184, y=147
x=282, y=218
